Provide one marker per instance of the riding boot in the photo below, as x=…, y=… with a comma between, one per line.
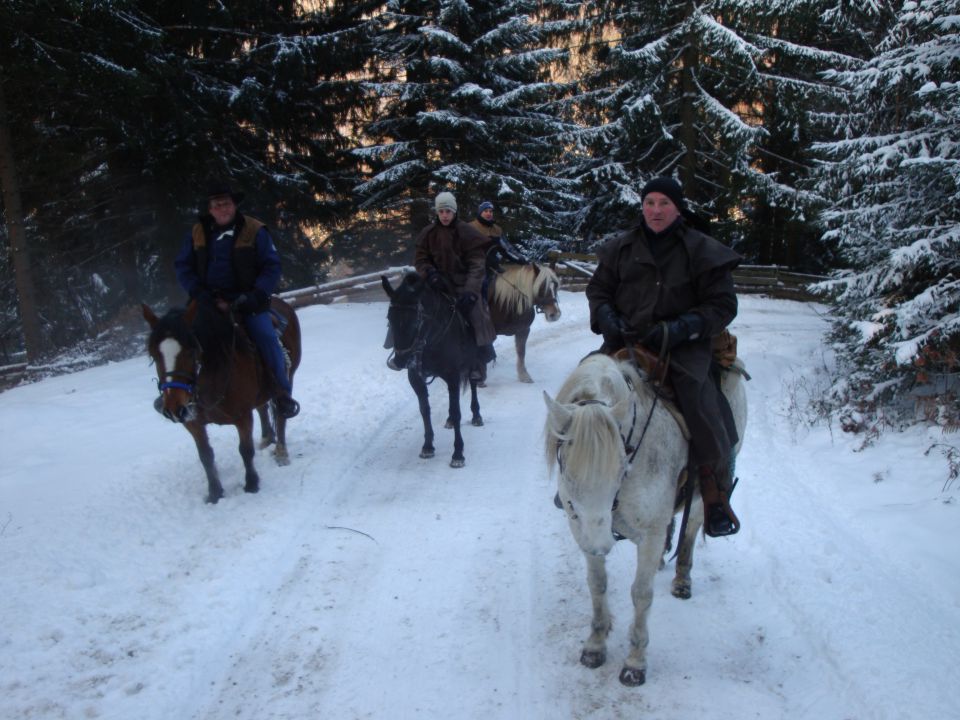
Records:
x=715, y=489
x=287, y=407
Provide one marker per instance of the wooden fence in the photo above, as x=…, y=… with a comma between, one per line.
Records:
x=575, y=270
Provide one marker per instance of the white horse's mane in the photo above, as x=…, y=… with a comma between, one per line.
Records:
x=593, y=448
x=519, y=285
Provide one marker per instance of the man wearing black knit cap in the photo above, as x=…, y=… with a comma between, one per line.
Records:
x=671, y=287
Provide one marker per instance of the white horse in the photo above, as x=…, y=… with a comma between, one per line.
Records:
x=620, y=453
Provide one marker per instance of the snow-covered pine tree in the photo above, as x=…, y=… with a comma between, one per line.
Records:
x=894, y=176
x=466, y=104
x=711, y=92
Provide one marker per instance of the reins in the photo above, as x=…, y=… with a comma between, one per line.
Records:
x=425, y=332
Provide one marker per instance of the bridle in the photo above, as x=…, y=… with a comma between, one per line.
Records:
x=189, y=382
x=423, y=332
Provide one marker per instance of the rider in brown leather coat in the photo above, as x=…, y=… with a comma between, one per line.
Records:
x=450, y=254
x=665, y=282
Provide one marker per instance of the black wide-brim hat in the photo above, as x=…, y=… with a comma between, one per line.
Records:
x=219, y=188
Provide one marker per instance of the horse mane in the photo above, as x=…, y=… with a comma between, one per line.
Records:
x=595, y=451
x=212, y=333
x=518, y=286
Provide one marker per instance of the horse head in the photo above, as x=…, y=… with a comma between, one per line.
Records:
x=176, y=353
x=585, y=442
x=404, y=317
x=545, y=288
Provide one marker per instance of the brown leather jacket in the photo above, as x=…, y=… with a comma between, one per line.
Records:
x=457, y=251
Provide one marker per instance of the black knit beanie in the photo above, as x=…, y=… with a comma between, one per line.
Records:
x=666, y=186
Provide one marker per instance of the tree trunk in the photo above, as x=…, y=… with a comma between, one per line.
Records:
x=23, y=276
x=688, y=111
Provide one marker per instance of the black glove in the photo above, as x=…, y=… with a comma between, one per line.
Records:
x=611, y=325
x=202, y=294
x=688, y=326
x=250, y=303
x=466, y=302
x=435, y=280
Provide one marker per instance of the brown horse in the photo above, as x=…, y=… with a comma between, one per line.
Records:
x=210, y=372
x=515, y=296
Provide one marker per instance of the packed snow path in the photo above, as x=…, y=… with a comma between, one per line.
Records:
x=364, y=582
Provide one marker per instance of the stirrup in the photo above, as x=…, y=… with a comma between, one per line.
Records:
x=721, y=521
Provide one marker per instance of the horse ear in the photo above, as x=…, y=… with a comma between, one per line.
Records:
x=558, y=417
x=387, y=287
x=149, y=315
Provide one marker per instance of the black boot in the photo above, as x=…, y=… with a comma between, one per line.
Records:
x=719, y=519
x=287, y=407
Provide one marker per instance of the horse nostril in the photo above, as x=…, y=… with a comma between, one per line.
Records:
x=168, y=415
x=182, y=414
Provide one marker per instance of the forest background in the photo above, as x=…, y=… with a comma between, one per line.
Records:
x=820, y=135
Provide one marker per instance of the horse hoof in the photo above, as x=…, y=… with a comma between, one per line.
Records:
x=457, y=463
x=477, y=421
x=252, y=486
x=427, y=454
x=525, y=379
x=681, y=590
x=632, y=677
x=593, y=658
x=448, y=425
x=213, y=499
x=282, y=460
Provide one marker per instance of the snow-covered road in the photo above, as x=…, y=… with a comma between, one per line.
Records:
x=364, y=582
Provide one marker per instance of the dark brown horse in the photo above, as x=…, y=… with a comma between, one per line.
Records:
x=515, y=297
x=210, y=372
x=431, y=339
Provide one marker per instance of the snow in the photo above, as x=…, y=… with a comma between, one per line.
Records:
x=364, y=582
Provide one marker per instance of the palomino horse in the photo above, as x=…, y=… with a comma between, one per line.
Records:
x=515, y=296
x=430, y=340
x=620, y=453
x=210, y=372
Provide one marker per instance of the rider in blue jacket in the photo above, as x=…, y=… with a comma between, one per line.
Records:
x=230, y=259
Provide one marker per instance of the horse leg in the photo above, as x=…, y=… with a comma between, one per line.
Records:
x=267, y=434
x=520, y=341
x=634, y=671
x=423, y=397
x=214, y=488
x=245, y=431
x=477, y=419
x=594, y=653
x=681, y=586
x=280, y=453
x=453, y=390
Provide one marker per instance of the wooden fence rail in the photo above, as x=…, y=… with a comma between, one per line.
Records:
x=574, y=270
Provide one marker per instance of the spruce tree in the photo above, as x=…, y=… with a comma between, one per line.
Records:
x=714, y=94
x=466, y=103
x=895, y=179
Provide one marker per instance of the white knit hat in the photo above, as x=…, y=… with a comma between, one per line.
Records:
x=445, y=201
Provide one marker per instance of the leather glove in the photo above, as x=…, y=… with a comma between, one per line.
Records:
x=611, y=325
x=250, y=303
x=435, y=280
x=466, y=302
x=688, y=326
x=202, y=294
